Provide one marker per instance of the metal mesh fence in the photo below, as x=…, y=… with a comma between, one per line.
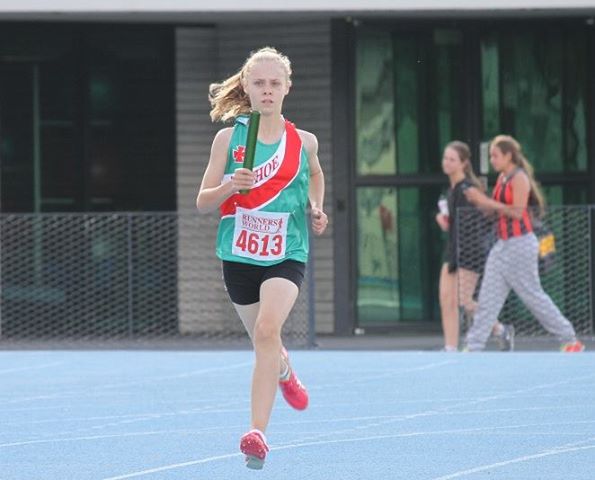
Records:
x=120, y=276
x=564, y=236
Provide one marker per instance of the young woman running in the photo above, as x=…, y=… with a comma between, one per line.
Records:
x=263, y=236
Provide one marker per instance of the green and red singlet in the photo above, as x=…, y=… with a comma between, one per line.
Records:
x=269, y=225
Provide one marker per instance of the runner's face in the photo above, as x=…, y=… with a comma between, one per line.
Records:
x=266, y=84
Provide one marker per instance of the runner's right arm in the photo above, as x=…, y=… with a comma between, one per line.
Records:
x=213, y=191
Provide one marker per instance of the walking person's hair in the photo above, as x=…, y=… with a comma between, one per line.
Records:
x=508, y=144
x=464, y=153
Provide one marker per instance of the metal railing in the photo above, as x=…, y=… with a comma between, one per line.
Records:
x=565, y=266
x=121, y=276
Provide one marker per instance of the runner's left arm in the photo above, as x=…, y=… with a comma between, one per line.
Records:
x=316, y=189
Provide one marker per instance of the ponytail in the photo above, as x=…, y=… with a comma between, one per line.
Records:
x=228, y=99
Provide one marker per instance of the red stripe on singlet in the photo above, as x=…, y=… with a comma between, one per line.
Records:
x=289, y=168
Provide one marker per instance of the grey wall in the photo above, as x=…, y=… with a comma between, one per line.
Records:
x=202, y=303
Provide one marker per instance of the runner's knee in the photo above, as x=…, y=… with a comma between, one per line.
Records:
x=267, y=334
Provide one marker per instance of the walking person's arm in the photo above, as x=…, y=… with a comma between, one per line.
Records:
x=521, y=188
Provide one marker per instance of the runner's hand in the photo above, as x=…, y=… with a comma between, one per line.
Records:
x=242, y=179
x=319, y=221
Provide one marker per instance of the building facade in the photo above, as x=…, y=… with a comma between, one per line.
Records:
x=105, y=108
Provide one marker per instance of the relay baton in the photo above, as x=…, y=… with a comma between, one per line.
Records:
x=251, y=143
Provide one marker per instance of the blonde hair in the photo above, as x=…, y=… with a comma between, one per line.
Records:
x=228, y=98
x=508, y=144
x=464, y=153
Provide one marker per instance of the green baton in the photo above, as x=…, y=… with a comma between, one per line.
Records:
x=251, y=143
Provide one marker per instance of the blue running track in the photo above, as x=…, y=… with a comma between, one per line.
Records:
x=111, y=415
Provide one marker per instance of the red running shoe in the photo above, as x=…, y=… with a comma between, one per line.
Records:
x=254, y=445
x=294, y=393
x=573, y=347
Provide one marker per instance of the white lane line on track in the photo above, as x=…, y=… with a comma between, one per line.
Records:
x=151, y=417
x=174, y=466
x=85, y=392
x=87, y=437
x=554, y=451
x=32, y=367
x=217, y=409
x=391, y=373
x=479, y=430
x=193, y=373
x=448, y=408
x=525, y=458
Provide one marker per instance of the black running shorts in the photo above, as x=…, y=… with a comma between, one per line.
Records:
x=243, y=281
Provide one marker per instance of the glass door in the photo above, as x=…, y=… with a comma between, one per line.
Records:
x=418, y=87
x=410, y=102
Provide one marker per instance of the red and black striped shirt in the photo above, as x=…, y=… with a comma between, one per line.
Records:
x=510, y=227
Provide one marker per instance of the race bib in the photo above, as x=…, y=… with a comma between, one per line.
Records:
x=260, y=235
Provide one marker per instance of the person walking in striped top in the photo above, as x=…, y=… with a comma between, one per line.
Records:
x=513, y=261
x=262, y=238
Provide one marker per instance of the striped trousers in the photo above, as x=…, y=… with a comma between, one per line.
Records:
x=513, y=264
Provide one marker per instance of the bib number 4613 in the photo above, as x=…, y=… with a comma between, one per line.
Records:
x=263, y=245
x=260, y=235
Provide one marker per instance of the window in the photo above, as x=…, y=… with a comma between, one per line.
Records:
x=416, y=90
x=410, y=88
x=375, y=106
x=87, y=118
x=534, y=87
x=87, y=124
x=399, y=254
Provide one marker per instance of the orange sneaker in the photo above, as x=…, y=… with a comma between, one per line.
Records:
x=254, y=445
x=572, y=347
